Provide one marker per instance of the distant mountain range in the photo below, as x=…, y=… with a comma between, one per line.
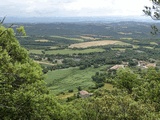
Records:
x=77, y=19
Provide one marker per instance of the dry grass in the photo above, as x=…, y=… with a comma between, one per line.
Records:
x=88, y=38
x=93, y=43
x=42, y=40
x=46, y=63
x=108, y=86
x=66, y=95
x=153, y=43
x=123, y=33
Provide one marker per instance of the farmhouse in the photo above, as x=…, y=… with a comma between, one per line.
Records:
x=144, y=64
x=151, y=65
x=116, y=67
x=84, y=94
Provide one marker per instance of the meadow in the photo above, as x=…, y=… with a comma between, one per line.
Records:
x=63, y=80
x=68, y=38
x=67, y=51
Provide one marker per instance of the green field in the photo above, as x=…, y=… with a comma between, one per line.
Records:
x=67, y=38
x=125, y=38
x=122, y=43
x=67, y=51
x=69, y=79
x=36, y=51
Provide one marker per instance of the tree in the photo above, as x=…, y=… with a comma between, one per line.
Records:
x=127, y=79
x=21, y=31
x=149, y=90
x=114, y=107
x=154, y=13
x=23, y=94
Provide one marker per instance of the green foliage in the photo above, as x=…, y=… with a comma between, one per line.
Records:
x=70, y=79
x=21, y=31
x=133, y=63
x=152, y=75
x=23, y=94
x=153, y=11
x=115, y=107
x=99, y=79
x=149, y=90
x=127, y=79
x=29, y=103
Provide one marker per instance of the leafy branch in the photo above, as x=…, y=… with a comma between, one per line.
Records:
x=154, y=13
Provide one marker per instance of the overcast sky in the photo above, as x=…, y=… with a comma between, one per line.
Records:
x=68, y=8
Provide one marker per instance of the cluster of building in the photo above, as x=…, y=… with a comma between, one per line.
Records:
x=141, y=64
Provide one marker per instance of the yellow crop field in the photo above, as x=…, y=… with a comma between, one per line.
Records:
x=93, y=43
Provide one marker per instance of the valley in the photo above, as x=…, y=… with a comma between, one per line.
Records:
x=71, y=53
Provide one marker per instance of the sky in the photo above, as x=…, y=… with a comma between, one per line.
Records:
x=71, y=8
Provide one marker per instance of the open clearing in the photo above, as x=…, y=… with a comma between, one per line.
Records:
x=107, y=86
x=93, y=43
x=89, y=38
x=126, y=38
x=70, y=78
x=42, y=40
x=46, y=63
x=123, y=33
x=67, y=38
x=67, y=51
x=70, y=51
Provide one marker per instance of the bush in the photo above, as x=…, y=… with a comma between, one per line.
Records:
x=98, y=85
x=70, y=91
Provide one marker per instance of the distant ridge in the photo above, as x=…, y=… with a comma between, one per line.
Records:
x=77, y=19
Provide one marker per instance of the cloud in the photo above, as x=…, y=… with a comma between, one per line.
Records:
x=31, y=8
x=107, y=7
